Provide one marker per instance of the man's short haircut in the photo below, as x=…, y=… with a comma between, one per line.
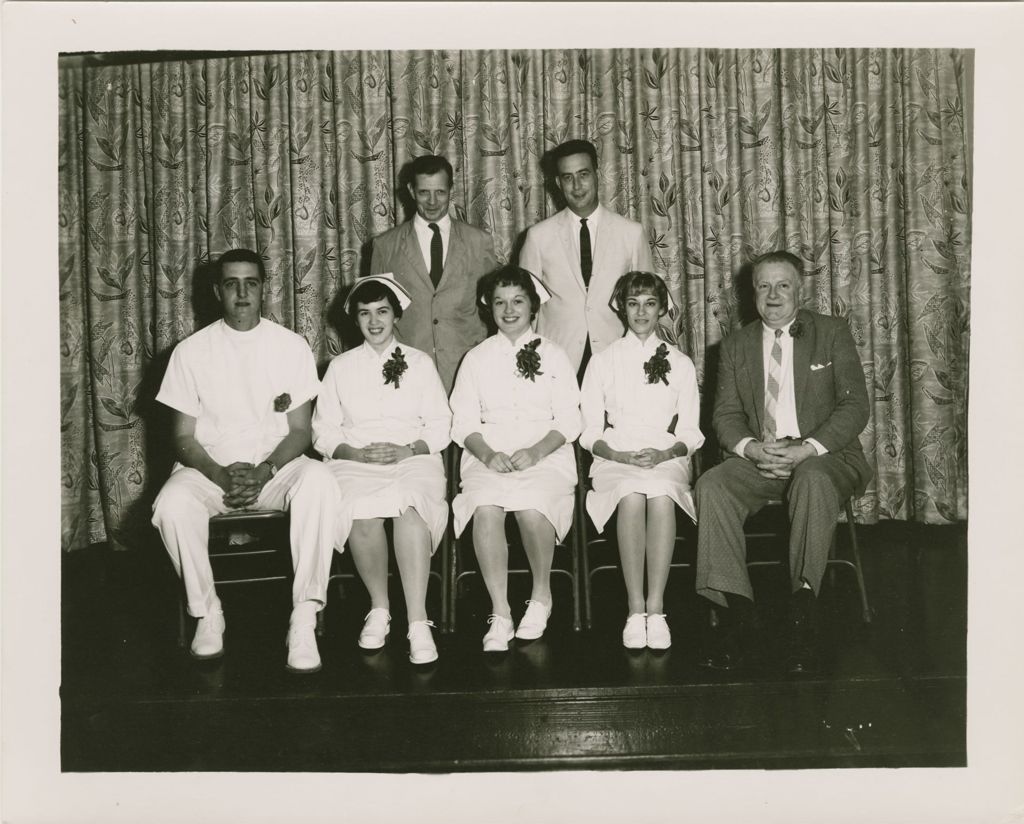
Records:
x=370, y=292
x=639, y=283
x=430, y=165
x=513, y=276
x=239, y=256
x=779, y=256
x=573, y=147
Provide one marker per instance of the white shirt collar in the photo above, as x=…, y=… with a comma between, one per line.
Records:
x=444, y=224
x=768, y=332
x=369, y=351
x=593, y=219
x=519, y=342
x=238, y=334
x=649, y=345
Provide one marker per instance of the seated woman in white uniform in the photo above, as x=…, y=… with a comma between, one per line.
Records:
x=381, y=420
x=515, y=409
x=641, y=413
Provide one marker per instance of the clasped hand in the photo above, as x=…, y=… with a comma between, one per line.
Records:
x=516, y=462
x=242, y=483
x=779, y=458
x=645, y=458
x=384, y=453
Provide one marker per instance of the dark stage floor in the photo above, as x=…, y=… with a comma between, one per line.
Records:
x=893, y=693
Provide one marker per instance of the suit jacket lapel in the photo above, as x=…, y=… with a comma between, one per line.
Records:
x=753, y=349
x=803, y=346
x=569, y=228
x=602, y=244
x=456, y=252
x=411, y=250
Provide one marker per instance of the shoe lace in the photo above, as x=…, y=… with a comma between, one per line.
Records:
x=494, y=618
x=427, y=623
x=387, y=615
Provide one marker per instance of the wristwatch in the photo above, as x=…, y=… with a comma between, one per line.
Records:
x=272, y=465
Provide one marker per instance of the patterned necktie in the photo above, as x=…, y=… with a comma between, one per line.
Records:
x=436, y=255
x=771, y=393
x=586, y=259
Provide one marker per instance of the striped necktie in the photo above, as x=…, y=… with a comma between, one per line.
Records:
x=771, y=389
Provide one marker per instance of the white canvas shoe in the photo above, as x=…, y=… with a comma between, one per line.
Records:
x=658, y=636
x=634, y=636
x=376, y=629
x=422, y=649
x=535, y=621
x=208, y=641
x=501, y=632
x=303, y=655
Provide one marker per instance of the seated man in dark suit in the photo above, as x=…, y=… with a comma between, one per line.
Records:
x=790, y=405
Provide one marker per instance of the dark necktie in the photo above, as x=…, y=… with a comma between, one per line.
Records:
x=586, y=259
x=436, y=255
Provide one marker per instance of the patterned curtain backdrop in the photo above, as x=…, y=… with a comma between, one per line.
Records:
x=856, y=160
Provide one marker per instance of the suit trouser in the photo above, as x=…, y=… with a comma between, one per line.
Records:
x=734, y=489
x=186, y=502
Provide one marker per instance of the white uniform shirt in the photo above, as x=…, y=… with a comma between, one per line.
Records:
x=616, y=384
x=490, y=395
x=229, y=381
x=357, y=407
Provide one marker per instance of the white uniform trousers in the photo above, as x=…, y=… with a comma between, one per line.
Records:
x=188, y=499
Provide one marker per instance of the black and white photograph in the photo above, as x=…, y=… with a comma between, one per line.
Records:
x=481, y=412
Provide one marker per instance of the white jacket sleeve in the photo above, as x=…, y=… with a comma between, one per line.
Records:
x=328, y=418
x=465, y=401
x=565, y=396
x=434, y=412
x=592, y=403
x=688, y=409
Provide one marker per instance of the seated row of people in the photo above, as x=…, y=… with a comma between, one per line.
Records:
x=382, y=419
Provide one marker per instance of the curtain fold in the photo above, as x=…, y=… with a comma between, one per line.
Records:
x=855, y=159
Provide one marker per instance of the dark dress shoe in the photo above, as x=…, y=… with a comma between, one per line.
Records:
x=802, y=643
x=728, y=649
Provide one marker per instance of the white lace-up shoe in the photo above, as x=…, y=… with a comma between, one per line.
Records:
x=658, y=636
x=634, y=636
x=208, y=641
x=422, y=649
x=501, y=632
x=303, y=655
x=535, y=621
x=376, y=628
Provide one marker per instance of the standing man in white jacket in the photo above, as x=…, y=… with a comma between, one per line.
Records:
x=579, y=254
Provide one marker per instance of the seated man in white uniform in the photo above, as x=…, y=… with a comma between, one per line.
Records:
x=241, y=390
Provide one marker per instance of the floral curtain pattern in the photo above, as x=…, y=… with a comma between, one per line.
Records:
x=855, y=159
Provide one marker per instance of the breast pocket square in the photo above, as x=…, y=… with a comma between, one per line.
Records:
x=816, y=366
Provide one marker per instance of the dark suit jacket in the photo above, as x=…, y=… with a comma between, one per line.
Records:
x=444, y=323
x=828, y=381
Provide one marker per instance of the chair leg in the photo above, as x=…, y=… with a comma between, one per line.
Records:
x=321, y=623
x=576, y=541
x=858, y=570
x=181, y=624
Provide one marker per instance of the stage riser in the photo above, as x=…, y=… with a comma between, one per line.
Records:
x=726, y=725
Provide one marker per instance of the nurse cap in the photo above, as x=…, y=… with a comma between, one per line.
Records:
x=387, y=279
x=542, y=290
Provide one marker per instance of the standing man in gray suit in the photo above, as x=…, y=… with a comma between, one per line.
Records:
x=439, y=262
x=579, y=253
